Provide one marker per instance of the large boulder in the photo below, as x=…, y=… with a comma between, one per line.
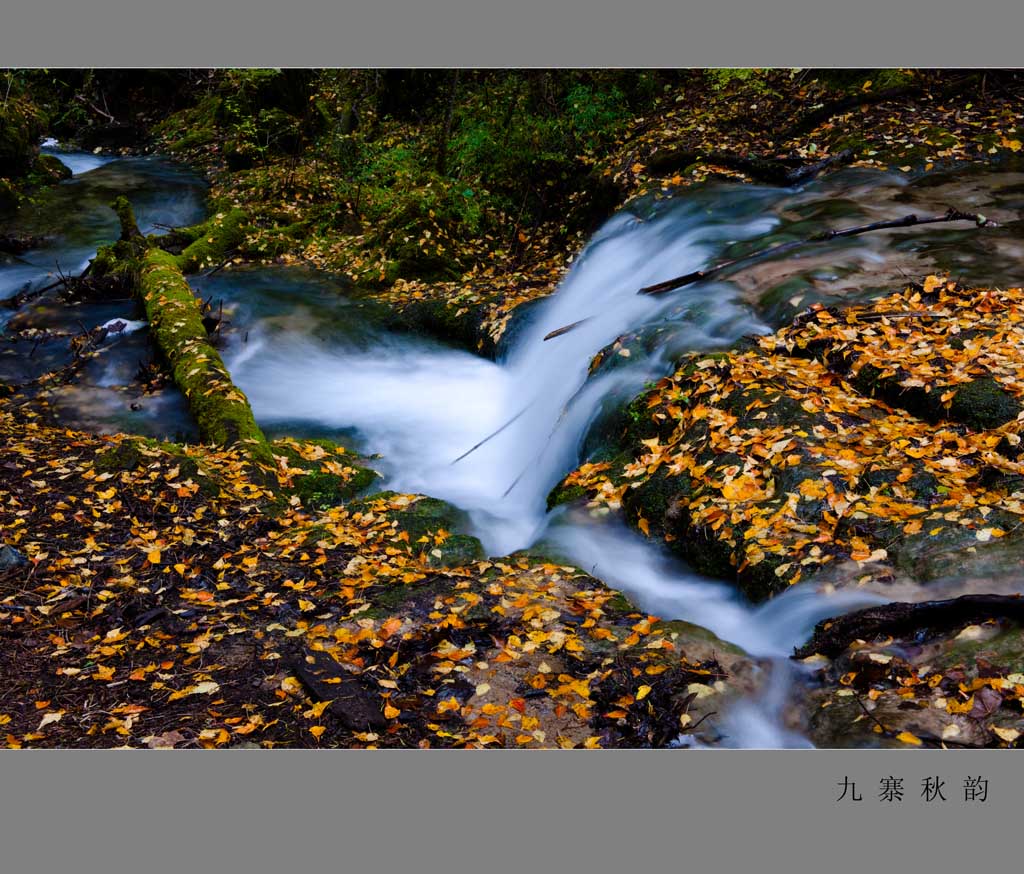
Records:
x=958, y=688
x=886, y=435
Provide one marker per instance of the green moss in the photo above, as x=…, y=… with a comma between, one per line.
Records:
x=129, y=455
x=396, y=597
x=422, y=520
x=563, y=494
x=619, y=605
x=1005, y=650
x=690, y=632
x=456, y=550
x=983, y=404
x=653, y=498
x=460, y=326
x=213, y=241
x=49, y=170
x=220, y=409
x=21, y=124
x=123, y=457
x=320, y=490
x=126, y=216
x=200, y=121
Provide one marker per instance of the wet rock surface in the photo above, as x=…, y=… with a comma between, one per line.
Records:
x=885, y=434
x=958, y=689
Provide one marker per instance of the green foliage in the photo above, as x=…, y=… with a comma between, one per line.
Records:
x=595, y=115
x=22, y=122
x=726, y=76
x=415, y=163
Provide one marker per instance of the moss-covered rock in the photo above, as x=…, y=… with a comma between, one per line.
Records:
x=51, y=170
x=429, y=525
x=459, y=326
x=320, y=490
x=565, y=494
x=124, y=456
x=911, y=692
x=983, y=404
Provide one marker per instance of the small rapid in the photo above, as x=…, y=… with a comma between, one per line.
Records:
x=315, y=363
x=422, y=406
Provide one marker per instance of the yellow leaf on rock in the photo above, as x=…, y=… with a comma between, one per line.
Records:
x=1007, y=734
x=743, y=488
x=908, y=738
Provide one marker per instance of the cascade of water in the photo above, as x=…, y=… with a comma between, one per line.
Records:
x=306, y=359
x=421, y=406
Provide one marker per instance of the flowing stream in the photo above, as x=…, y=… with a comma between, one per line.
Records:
x=313, y=362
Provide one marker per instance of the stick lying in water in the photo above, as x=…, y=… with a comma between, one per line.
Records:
x=492, y=435
x=833, y=636
x=951, y=215
x=565, y=329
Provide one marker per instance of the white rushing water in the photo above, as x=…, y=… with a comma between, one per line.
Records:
x=77, y=162
x=309, y=361
x=421, y=405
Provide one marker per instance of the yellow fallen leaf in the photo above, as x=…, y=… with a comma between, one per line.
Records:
x=908, y=738
x=1007, y=734
x=154, y=556
x=743, y=488
x=56, y=716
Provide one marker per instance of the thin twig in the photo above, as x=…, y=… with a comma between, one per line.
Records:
x=952, y=215
x=492, y=435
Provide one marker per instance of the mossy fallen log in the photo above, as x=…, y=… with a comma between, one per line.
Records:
x=213, y=240
x=220, y=408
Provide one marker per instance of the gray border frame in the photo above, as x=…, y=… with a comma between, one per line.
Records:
x=715, y=811
x=462, y=811
x=467, y=33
